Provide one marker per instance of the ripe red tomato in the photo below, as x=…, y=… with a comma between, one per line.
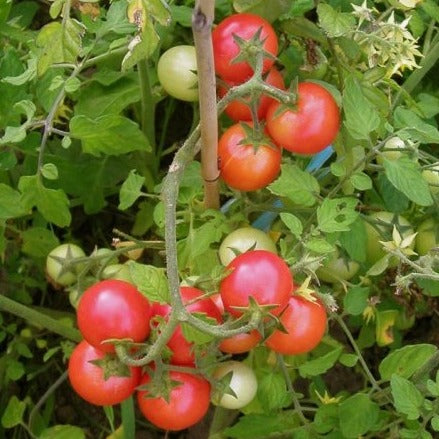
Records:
x=311, y=126
x=239, y=110
x=113, y=309
x=259, y=274
x=87, y=379
x=188, y=402
x=225, y=48
x=182, y=350
x=246, y=167
x=238, y=344
x=305, y=322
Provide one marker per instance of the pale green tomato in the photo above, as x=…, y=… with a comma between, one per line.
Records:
x=337, y=269
x=56, y=261
x=244, y=239
x=117, y=271
x=383, y=232
x=176, y=70
x=101, y=262
x=242, y=382
x=393, y=150
x=431, y=176
x=427, y=237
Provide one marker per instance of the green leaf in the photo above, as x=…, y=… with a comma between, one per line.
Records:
x=405, y=175
x=269, y=10
x=150, y=281
x=361, y=181
x=406, y=361
x=53, y=204
x=407, y=399
x=337, y=215
x=293, y=223
x=431, y=8
x=355, y=301
x=417, y=128
x=14, y=412
x=272, y=391
x=358, y=415
x=354, y=241
x=435, y=423
x=59, y=43
x=297, y=185
x=320, y=365
x=14, y=369
x=38, y=241
x=348, y=360
x=326, y=418
x=319, y=245
x=394, y=200
x=361, y=117
x=195, y=335
x=130, y=190
x=109, y=134
x=334, y=23
x=28, y=75
x=10, y=203
x=72, y=84
x=62, y=432
x=49, y=171
x=18, y=134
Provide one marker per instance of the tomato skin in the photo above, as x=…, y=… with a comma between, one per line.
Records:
x=176, y=71
x=309, y=128
x=242, y=240
x=240, y=111
x=243, y=167
x=87, y=379
x=305, y=322
x=260, y=274
x=225, y=48
x=188, y=402
x=243, y=384
x=241, y=343
x=182, y=350
x=113, y=309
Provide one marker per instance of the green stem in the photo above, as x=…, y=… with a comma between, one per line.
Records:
x=39, y=319
x=147, y=120
x=128, y=418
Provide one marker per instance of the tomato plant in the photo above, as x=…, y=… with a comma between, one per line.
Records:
x=244, y=165
x=183, y=350
x=226, y=49
x=177, y=72
x=305, y=323
x=239, y=109
x=242, y=240
x=427, y=236
x=113, y=309
x=57, y=259
x=241, y=385
x=259, y=274
x=337, y=268
x=186, y=405
x=310, y=126
x=106, y=383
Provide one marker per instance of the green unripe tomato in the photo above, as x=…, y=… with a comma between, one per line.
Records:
x=431, y=176
x=393, y=150
x=383, y=232
x=337, y=269
x=427, y=237
x=242, y=382
x=58, y=258
x=117, y=271
x=244, y=239
x=176, y=71
x=109, y=258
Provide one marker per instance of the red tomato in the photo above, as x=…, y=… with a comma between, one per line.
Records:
x=311, y=126
x=239, y=110
x=238, y=344
x=87, y=379
x=187, y=404
x=182, y=350
x=113, y=309
x=260, y=274
x=305, y=322
x=225, y=49
x=246, y=167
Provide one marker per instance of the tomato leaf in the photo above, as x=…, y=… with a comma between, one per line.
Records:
x=336, y=215
x=150, y=281
x=354, y=240
x=355, y=301
x=418, y=129
x=405, y=175
x=62, y=432
x=10, y=202
x=297, y=185
x=407, y=399
x=293, y=223
x=14, y=412
x=272, y=391
x=38, y=241
x=406, y=361
x=320, y=365
x=130, y=190
x=334, y=23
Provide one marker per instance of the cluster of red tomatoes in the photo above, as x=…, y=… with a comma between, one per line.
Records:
x=112, y=310
x=306, y=127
